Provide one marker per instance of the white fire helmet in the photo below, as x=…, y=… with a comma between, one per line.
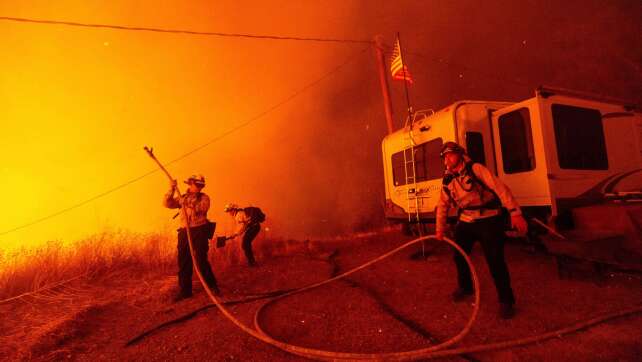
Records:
x=198, y=180
x=230, y=207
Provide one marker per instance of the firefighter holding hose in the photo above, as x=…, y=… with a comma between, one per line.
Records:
x=195, y=204
x=479, y=197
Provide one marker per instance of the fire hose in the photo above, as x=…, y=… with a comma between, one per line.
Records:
x=439, y=350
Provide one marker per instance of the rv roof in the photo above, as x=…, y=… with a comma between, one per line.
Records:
x=545, y=91
x=451, y=108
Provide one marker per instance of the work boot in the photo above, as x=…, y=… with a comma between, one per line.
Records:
x=182, y=296
x=460, y=294
x=506, y=311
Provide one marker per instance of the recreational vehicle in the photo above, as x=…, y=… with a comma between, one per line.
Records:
x=560, y=152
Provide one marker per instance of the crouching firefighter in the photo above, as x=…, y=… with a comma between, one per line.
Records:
x=479, y=197
x=248, y=222
x=196, y=205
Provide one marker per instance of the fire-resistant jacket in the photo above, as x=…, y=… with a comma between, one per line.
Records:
x=196, y=206
x=468, y=195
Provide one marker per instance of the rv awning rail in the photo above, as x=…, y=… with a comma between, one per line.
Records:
x=545, y=91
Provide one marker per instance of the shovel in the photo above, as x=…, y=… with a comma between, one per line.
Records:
x=220, y=241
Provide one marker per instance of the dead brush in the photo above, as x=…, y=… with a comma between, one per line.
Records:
x=27, y=270
x=264, y=248
x=114, y=255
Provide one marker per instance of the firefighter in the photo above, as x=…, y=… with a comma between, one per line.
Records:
x=196, y=205
x=479, y=197
x=248, y=222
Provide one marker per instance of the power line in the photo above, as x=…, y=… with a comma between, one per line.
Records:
x=60, y=212
x=180, y=31
x=264, y=113
x=258, y=36
x=219, y=137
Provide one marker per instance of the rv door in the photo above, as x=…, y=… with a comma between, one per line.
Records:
x=519, y=150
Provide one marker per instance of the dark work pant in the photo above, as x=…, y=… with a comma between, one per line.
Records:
x=201, y=247
x=249, y=236
x=490, y=233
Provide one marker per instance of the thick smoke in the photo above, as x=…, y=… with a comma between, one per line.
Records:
x=464, y=50
x=314, y=164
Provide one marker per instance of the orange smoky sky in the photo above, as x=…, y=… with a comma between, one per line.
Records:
x=78, y=104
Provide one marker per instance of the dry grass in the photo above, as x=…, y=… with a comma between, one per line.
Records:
x=116, y=254
x=30, y=269
x=113, y=254
x=264, y=248
x=267, y=247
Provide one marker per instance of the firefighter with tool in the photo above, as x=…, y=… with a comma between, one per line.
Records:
x=196, y=204
x=479, y=197
x=248, y=222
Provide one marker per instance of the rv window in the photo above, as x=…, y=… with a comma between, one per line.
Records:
x=475, y=147
x=428, y=165
x=398, y=175
x=435, y=165
x=516, y=141
x=579, y=136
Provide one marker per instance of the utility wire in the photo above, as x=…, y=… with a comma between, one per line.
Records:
x=180, y=31
x=274, y=107
x=258, y=36
x=217, y=138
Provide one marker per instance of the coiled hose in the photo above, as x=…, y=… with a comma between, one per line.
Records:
x=439, y=350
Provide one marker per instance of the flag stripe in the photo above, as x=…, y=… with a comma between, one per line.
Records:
x=398, y=69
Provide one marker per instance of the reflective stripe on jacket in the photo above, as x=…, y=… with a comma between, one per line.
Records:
x=468, y=195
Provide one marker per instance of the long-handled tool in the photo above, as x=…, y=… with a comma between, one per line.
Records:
x=150, y=152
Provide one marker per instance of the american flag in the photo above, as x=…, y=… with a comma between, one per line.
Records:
x=398, y=69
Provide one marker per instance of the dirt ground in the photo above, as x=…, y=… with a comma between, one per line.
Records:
x=398, y=304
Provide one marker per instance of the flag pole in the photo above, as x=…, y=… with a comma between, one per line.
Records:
x=412, y=145
x=383, y=81
x=405, y=82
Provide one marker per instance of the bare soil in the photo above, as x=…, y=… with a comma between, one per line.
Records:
x=398, y=304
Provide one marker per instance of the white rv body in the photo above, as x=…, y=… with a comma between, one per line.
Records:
x=555, y=151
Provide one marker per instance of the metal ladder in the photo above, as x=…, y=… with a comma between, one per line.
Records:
x=411, y=197
x=411, y=179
